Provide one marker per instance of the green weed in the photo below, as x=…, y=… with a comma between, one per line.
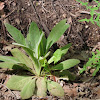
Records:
x=93, y=11
x=37, y=48
x=93, y=62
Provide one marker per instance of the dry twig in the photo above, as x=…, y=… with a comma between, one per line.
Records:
x=7, y=15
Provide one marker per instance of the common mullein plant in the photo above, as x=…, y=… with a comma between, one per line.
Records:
x=93, y=11
x=93, y=62
x=37, y=60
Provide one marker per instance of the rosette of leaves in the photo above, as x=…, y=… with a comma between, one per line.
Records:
x=93, y=62
x=36, y=46
x=93, y=11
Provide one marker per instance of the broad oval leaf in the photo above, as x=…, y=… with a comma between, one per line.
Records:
x=15, y=33
x=59, y=53
x=23, y=46
x=16, y=66
x=9, y=59
x=34, y=35
x=55, y=89
x=56, y=56
x=41, y=87
x=27, y=49
x=18, y=82
x=66, y=64
x=56, y=33
x=8, y=65
x=22, y=57
x=28, y=89
x=34, y=59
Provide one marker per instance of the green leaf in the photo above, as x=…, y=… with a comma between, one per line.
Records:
x=34, y=35
x=83, y=69
x=18, y=82
x=7, y=65
x=34, y=64
x=41, y=87
x=27, y=62
x=93, y=62
x=27, y=49
x=56, y=57
x=43, y=46
x=16, y=34
x=14, y=65
x=37, y=66
x=37, y=49
x=82, y=20
x=56, y=33
x=22, y=57
x=66, y=64
x=55, y=89
x=59, y=53
x=34, y=59
x=96, y=70
x=65, y=49
x=28, y=89
x=24, y=47
x=9, y=59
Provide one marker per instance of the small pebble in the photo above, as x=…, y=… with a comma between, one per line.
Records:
x=86, y=26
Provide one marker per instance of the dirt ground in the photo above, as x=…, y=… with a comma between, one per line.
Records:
x=85, y=37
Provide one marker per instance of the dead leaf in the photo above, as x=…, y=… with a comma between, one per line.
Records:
x=1, y=5
x=96, y=47
x=69, y=20
x=8, y=48
x=72, y=92
x=98, y=93
x=17, y=94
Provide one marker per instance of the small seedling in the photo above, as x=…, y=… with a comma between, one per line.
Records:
x=37, y=61
x=93, y=11
x=93, y=62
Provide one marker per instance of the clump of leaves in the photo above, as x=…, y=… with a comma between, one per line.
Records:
x=93, y=11
x=37, y=48
x=93, y=62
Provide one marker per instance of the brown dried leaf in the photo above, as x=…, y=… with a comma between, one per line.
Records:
x=1, y=5
x=72, y=92
x=98, y=92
